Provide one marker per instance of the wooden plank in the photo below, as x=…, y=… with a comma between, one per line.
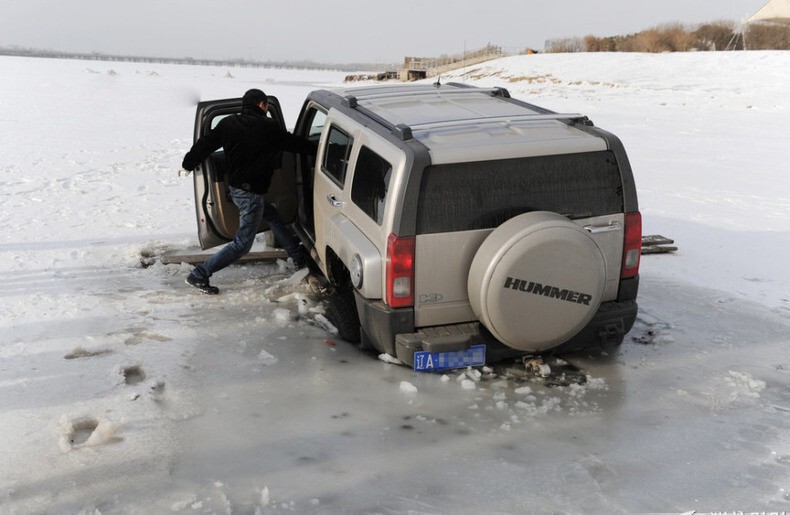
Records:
x=193, y=257
x=658, y=249
x=655, y=239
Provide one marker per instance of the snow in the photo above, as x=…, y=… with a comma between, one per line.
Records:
x=124, y=391
x=408, y=388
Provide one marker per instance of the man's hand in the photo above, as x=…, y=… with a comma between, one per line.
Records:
x=183, y=172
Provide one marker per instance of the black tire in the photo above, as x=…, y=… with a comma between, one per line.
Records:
x=342, y=312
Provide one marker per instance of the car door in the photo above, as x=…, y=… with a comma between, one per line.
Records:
x=330, y=195
x=217, y=216
x=309, y=126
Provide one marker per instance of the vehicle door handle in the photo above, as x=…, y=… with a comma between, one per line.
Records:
x=597, y=229
x=334, y=201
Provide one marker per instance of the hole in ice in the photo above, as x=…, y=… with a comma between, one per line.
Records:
x=83, y=429
x=133, y=375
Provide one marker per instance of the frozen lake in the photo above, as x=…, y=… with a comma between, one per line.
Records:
x=123, y=390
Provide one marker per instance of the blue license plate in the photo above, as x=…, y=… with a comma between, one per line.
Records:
x=474, y=356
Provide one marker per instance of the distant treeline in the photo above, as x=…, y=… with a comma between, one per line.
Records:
x=676, y=37
x=17, y=51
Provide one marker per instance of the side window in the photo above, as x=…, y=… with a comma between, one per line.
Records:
x=215, y=121
x=316, y=125
x=371, y=183
x=311, y=130
x=335, y=160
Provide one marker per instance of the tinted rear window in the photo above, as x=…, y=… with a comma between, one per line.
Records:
x=371, y=183
x=483, y=195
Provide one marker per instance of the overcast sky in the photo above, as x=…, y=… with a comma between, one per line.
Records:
x=334, y=31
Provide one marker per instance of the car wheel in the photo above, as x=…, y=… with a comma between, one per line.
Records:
x=536, y=281
x=342, y=312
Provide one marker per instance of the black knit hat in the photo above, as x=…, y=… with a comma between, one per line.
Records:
x=253, y=97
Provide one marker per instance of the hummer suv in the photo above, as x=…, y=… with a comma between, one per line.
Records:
x=456, y=225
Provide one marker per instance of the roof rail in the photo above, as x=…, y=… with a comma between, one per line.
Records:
x=498, y=119
x=498, y=91
x=353, y=100
x=403, y=131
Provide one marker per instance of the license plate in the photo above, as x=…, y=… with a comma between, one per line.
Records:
x=474, y=356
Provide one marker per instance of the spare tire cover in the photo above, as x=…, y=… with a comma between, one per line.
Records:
x=536, y=281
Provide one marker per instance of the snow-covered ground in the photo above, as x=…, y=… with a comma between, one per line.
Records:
x=122, y=390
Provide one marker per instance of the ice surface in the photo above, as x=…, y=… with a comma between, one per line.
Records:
x=125, y=391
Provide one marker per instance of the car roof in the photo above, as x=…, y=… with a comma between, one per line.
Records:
x=457, y=122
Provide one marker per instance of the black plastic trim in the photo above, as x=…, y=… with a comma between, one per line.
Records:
x=628, y=289
x=381, y=323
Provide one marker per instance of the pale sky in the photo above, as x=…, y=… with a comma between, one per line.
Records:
x=334, y=31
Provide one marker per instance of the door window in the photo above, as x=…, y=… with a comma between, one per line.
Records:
x=215, y=121
x=336, y=154
x=310, y=129
x=371, y=183
x=316, y=125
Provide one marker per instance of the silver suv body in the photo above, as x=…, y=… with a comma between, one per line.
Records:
x=457, y=225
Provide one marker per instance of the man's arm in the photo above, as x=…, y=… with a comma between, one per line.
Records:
x=293, y=143
x=202, y=148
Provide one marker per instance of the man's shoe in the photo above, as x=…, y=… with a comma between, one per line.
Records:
x=300, y=259
x=202, y=285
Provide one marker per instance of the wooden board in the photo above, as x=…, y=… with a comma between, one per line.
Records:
x=655, y=239
x=196, y=256
x=657, y=244
x=658, y=249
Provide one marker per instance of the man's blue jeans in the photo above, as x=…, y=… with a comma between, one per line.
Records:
x=252, y=209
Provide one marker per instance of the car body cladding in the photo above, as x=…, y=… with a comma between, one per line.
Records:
x=217, y=216
x=381, y=323
x=370, y=235
x=442, y=296
x=629, y=287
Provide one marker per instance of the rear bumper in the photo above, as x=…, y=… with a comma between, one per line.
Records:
x=392, y=331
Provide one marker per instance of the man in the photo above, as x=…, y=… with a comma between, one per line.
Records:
x=252, y=142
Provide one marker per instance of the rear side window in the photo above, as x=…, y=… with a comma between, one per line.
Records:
x=371, y=183
x=483, y=195
x=335, y=160
x=215, y=121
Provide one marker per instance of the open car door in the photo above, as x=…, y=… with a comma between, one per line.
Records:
x=217, y=215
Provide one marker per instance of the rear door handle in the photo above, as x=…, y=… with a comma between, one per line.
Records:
x=334, y=201
x=598, y=229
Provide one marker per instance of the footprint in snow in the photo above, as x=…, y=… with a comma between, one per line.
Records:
x=85, y=432
x=80, y=353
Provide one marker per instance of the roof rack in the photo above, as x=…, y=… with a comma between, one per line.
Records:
x=353, y=100
x=405, y=132
x=498, y=119
x=401, y=130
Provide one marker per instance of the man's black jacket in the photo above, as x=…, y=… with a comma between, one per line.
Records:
x=252, y=143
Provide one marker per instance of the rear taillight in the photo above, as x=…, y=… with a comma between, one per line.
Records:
x=632, y=246
x=400, y=271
